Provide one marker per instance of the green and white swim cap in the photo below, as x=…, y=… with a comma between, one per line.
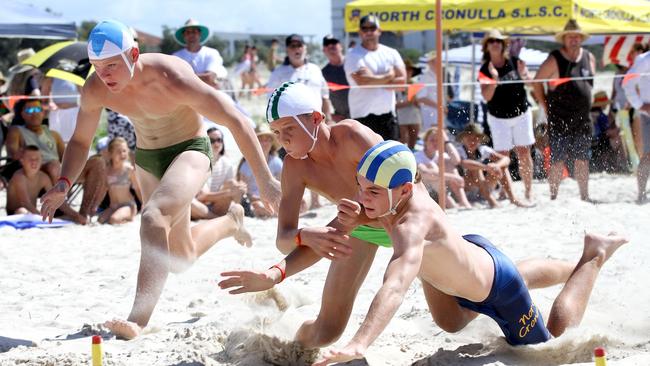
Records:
x=292, y=99
x=388, y=164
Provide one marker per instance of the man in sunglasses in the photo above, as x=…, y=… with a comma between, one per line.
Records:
x=370, y=65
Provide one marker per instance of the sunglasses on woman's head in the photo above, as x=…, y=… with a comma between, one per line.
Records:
x=32, y=110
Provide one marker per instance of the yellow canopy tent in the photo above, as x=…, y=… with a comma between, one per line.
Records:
x=513, y=17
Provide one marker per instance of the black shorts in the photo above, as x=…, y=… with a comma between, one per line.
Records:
x=383, y=124
x=570, y=147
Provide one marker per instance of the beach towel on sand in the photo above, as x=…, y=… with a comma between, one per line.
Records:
x=28, y=221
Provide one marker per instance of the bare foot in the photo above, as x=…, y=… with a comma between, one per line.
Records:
x=243, y=237
x=602, y=246
x=123, y=329
x=524, y=204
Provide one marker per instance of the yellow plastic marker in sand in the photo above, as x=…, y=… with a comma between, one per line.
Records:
x=599, y=356
x=97, y=350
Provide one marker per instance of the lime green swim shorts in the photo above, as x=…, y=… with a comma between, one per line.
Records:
x=373, y=235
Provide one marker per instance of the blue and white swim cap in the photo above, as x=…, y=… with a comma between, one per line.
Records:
x=109, y=38
x=388, y=164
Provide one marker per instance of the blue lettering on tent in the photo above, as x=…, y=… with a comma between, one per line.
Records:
x=557, y=11
x=429, y=15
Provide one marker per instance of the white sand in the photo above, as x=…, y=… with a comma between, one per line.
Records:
x=56, y=285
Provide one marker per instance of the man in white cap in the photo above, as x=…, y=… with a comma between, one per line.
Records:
x=567, y=106
x=206, y=61
x=164, y=99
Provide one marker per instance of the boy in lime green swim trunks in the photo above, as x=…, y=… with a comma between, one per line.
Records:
x=322, y=158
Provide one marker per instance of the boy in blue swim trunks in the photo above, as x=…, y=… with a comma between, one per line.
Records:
x=426, y=246
x=165, y=101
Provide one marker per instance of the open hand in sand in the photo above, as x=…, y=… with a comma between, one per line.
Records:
x=349, y=353
x=248, y=281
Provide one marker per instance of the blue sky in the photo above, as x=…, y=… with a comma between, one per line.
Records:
x=247, y=16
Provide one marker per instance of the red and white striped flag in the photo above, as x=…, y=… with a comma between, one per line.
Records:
x=617, y=48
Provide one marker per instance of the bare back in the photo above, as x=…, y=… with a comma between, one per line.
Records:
x=450, y=263
x=333, y=174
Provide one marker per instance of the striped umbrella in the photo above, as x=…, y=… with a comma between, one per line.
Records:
x=64, y=60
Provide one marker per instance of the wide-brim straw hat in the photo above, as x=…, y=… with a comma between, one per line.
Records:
x=473, y=129
x=263, y=129
x=600, y=100
x=205, y=32
x=22, y=55
x=494, y=34
x=571, y=27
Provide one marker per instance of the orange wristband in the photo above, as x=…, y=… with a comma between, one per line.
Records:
x=65, y=180
x=282, y=272
x=297, y=238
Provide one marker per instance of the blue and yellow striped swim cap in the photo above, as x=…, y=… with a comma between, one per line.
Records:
x=388, y=164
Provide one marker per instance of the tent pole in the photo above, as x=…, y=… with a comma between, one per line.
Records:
x=347, y=42
x=473, y=78
x=442, y=196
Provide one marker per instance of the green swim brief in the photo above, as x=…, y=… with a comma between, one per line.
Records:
x=373, y=235
x=156, y=161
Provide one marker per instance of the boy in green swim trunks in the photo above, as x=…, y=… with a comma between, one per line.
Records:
x=165, y=100
x=322, y=158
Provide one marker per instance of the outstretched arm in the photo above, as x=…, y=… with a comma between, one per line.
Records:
x=74, y=157
x=217, y=106
x=402, y=270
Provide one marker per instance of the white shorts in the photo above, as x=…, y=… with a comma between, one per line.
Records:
x=64, y=122
x=510, y=132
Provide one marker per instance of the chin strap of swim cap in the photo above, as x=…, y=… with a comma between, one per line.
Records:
x=392, y=210
x=313, y=137
x=130, y=65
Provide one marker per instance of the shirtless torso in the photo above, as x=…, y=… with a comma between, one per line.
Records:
x=164, y=99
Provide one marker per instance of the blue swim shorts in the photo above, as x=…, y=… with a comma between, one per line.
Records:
x=509, y=302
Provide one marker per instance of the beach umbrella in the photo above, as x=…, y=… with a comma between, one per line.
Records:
x=64, y=60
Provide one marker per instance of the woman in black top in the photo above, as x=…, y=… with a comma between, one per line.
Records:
x=509, y=118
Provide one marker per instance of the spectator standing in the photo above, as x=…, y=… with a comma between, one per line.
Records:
x=408, y=111
x=273, y=57
x=298, y=69
x=637, y=90
x=427, y=97
x=371, y=64
x=205, y=61
x=509, y=116
x=567, y=107
x=64, y=106
x=334, y=72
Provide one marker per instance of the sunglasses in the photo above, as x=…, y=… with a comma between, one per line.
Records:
x=32, y=110
x=295, y=45
x=369, y=29
x=493, y=40
x=218, y=139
